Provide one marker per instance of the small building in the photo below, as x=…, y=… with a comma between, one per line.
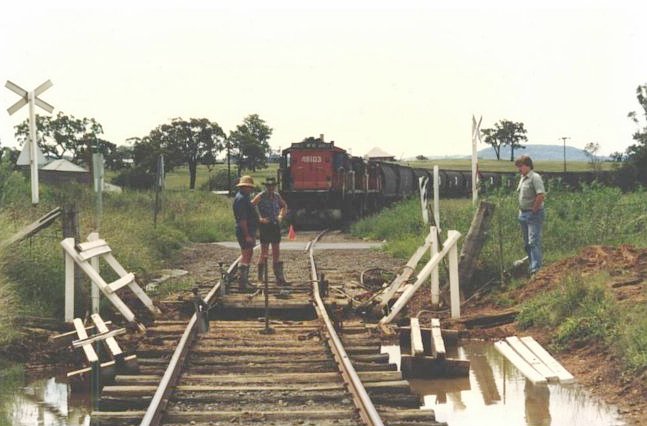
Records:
x=62, y=171
x=379, y=154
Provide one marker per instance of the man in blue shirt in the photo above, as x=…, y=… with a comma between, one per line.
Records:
x=246, y=225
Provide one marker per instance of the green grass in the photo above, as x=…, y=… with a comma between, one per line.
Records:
x=33, y=270
x=581, y=311
x=178, y=178
x=595, y=215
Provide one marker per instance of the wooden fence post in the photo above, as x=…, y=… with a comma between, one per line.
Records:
x=70, y=220
x=474, y=241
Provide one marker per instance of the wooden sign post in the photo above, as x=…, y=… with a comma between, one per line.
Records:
x=33, y=100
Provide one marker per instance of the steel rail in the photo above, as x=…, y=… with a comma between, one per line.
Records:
x=362, y=401
x=160, y=399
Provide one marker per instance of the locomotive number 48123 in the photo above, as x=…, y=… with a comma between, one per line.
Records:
x=311, y=159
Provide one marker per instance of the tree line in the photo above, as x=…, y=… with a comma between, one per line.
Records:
x=182, y=142
x=633, y=161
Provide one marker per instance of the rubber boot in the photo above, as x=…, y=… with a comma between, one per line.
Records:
x=261, y=272
x=243, y=279
x=278, y=273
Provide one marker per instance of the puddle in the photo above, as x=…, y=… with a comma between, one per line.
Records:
x=43, y=402
x=496, y=393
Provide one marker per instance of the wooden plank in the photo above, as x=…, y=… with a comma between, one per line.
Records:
x=121, y=282
x=94, y=252
x=98, y=337
x=417, y=349
x=33, y=228
x=521, y=365
x=90, y=354
x=72, y=334
x=103, y=365
x=112, y=344
x=531, y=358
x=562, y=374
x=133, y=286
x=437, y=343
x=92, y=244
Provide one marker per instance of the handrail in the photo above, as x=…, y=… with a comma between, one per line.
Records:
x=160, y=398
x=362, y=401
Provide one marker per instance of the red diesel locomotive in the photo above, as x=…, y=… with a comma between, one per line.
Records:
x=324, y=183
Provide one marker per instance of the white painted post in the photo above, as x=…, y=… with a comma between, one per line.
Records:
x=435, y=280
x=436, y=197
x=69, y=286
x=94, y=289
x=422, y=185
x=454, y=286
x=31, y=99
x=33, y=161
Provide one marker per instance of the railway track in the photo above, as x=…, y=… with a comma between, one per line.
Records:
x=303, y=372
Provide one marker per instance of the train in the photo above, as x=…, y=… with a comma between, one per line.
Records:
x=323, y=183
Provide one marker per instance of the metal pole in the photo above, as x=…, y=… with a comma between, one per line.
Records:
x=268, y=329
x=33, y=162
x=228, y=168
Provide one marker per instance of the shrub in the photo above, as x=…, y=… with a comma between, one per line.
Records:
x=135, y=178
x=219, y=182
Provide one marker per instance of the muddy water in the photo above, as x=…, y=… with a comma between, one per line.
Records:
x=496, y=394
x=45, y=402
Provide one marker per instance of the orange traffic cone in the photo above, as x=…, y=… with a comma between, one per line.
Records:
x=291, y=234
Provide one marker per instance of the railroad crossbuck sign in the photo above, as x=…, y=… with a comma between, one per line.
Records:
x=33, y=100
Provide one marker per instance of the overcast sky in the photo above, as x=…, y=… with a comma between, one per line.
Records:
x=402, y=75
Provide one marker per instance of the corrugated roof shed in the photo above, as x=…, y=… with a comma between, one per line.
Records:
x=63, y=165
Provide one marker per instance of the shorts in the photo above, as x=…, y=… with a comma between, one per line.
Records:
x=241, y=239
x=270, y=233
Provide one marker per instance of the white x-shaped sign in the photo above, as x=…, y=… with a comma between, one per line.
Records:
x=24, y=96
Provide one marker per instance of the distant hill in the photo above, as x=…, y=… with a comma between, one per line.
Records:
x=538, y=152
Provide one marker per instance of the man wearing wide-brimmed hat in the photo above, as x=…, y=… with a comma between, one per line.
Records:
x=271, y=211
x=246, y=225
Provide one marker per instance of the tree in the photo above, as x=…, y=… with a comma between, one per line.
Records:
x=421, y=157
x=250, y=141
x=505, y=133
x=182, y=142
x=591, y=151
x=65, y=135
x=636, y=154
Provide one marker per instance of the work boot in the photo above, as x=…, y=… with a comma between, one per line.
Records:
x=278, y=273
x=261, y=272
x=243, y=279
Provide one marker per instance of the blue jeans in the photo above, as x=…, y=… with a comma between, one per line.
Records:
x=531, y=224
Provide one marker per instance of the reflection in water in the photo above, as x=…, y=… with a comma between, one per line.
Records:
x=497, y=394
x=42, y=402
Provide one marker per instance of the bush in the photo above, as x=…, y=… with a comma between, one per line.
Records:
x=219, y=182
x=135, y=178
